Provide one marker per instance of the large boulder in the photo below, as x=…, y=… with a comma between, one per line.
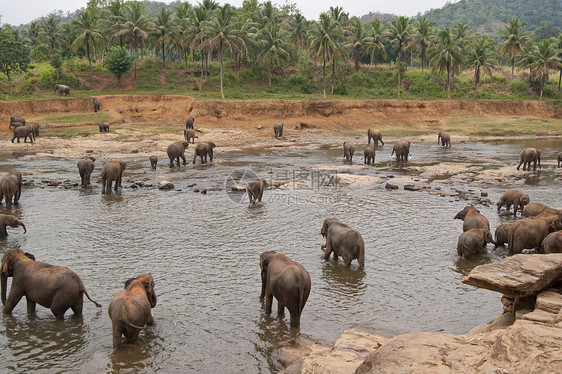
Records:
x=518, y=276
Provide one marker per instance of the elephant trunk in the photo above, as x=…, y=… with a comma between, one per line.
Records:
x=22, y=225
x=152, y=299
x=4, y=284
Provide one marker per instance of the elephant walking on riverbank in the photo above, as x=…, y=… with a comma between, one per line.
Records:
x=189, y=134
x=23, y=132
x=110, y=172
x=96, y=103
x=131, y=309
x=189, y=123
x=278, y=130
x=54, y=287
x=85, y=169
x=62, y=89
x=343, y=241
x=529, y=155
x=287, y=281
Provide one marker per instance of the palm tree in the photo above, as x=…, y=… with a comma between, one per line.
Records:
x=298, y=30
x=222, y=35
x=515, y=40
x=135, y=24
x=182, y=37
x=558, y=46
x=460, y=34
x=273, y=46
x=198, y=35
x=446, y=56
x=165, y=27
x=399, y=32
x=32, y=33
x=482, y=56
x=543, y=57
x=423, y=36
x=326, y=37
x=50, y=31
x=359, y=41
x=375, y=45
x=86, y=28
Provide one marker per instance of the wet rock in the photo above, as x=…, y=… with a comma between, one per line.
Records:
x=518, y=276
x=135, y=151
x=196, y=190
x=411, y=187
x=165, y=185
x=484, y=194
x=204, y=191
x=390, y=186
x=89, y=151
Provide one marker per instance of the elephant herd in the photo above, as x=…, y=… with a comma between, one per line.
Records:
x=540, y=229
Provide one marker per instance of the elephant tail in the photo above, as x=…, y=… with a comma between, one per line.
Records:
x=83, y=290
x=127, y=321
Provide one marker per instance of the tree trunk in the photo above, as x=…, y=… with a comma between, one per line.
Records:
x=269, y=72
x=423, y=56
x=356, y=59
x=136, y=54
x=201, y=50
x=163, y=55
x=399, y=59
x=220, y=63
x=448, y=83
x=88, y=52
x=333, y=73
x=324, y=75
x=512, y=68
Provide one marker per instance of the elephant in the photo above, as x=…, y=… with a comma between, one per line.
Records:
x=55, y=287
x=402, y=149
x=534, y=209
x=202, y=149
x=471, y=242
x=472, y=219
x=112, y=171
x=552, y=243
x=343, y=241
x=287, y=281
x=502, y=234
x=104, y=126
x=189, y=123
x=131, y=309
x=445, y=139
x=177, y=150
x=515, y=198
x=530, y=232
x=189, y=134
x=85, y=168
x=375, y=135
x=348, y=151
x=529, y=155
x=34, y=130
x=278, y=129
x=96, y=103
x=23, y=132
x=9, y=220
x=153, y=162
x=16, y=121
x=559, y=159
x=62, y=89
x=369, y=155
x=10, y=188
x=255, y=190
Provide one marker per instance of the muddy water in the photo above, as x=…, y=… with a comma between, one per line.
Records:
x=203, y=251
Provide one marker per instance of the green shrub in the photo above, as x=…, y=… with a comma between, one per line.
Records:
x=340, y=89
x=40, y=53
x=253, y=73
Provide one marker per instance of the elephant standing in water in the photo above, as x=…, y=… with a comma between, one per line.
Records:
x=343, y=241
x=189, y=134
x=502, y=234
x=153, y=162
x=513, y=197
x=471, y=242
x=529, y=155
x=54, y=287
x=375, y=135
x=202, y=150
x=348, y=151
x=278, y=129
x=175, y=151
x=402, y=149
x=369, y=155
x=530, y=232
x=559, y=159
x=255, y=190
x=9, y=220
x=85, y=168
x=112, y=171
x=444, y=138
x=472, y=219
x=10, y=188
x=130, y=309
x=552, y=243
x=287, y=281
x=534, y=209
x=96, y=103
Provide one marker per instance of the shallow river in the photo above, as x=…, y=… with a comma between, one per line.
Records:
x=203, y=251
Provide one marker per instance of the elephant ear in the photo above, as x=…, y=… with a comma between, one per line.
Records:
x=128, y=282
x=30, y=256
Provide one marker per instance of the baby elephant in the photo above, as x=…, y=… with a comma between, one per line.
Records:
x=9, y=220
x=369, y=155
x=130, y=309
x=104, y=127
x=287, y=281
x=472, y=242
x=502, y=234
x=85, y=168
x=552, y=243
x=343, y=241
x=278, y=129
x=153, y=162
x=515, y=198
x=348, y=151
x=255, y=190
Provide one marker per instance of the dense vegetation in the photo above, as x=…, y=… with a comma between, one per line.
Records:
x=260, y=50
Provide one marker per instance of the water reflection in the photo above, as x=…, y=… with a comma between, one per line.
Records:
x=347, y=280
x=273, y=331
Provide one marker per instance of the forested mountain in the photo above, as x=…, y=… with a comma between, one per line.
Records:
x=489, y=16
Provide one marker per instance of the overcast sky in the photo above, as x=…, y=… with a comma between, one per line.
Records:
x=16, y=12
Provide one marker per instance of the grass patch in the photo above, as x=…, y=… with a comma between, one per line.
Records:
x=75, y=118
x=503, y=126
x=70, y=132
x=402, y=132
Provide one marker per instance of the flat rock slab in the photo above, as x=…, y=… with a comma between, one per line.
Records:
x=521, y=275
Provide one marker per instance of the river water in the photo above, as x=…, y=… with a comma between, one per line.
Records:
x=203, y=252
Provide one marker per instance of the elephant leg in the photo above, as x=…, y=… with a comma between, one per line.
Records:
x=295, y=320
x=16, y=293
x=59, y=305
x=280, y=308
x=328, y=250
x=30, y=306
x=78, y=306
x=116, y=327
x=132, y=334
x=268, y=302
x=183, y=159
x=117, y=183
x=194, y=158
x=150, y=320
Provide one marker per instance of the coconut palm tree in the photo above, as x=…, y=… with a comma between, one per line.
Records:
x=165, y=27
x=482, y=56
x=359, y=41
x=86, y=28
x=460, y=34
x=326, y=38
x=400, y=33
x=543, y=57
x=298, y=27
x=32, y=33
x=375, y=45
x=222, y=35
x=182, y=37
x=514, y=42
x=273, y=46
x=135, y=24
x=198, y=35
x=558, y=46
x=423, y=37
x=446, y=56
x=50, y=31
